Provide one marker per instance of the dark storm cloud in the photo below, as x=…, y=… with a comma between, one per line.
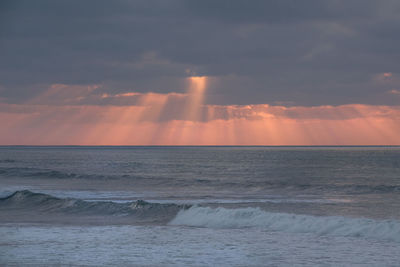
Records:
x=303, y=52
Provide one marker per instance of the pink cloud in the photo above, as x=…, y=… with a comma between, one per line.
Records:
x=394, y=92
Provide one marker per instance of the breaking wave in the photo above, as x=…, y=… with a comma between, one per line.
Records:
x=142, y=211
x=293, y=223
x=27, y=201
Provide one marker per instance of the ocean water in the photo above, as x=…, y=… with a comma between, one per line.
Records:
x=200, y=206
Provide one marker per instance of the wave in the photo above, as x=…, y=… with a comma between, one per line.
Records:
x=7, y=161
x=372, y=188
x=293, y=223
x=352, y=189
x=26, y=172
x=33, y=172
x=40, y=173
x=30, y=202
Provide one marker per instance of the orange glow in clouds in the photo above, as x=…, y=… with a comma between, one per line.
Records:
x=70, y=115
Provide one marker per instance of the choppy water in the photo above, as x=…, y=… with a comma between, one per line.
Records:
x=200, y=205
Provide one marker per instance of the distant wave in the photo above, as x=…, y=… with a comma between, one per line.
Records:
x=292, y=223
x=351, y=188
x=7, y=160
x=39, y=173
x=42, y=173
x=26, y=172
x=28, y=201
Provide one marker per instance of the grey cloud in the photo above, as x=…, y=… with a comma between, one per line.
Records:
x=280, y=11
x=308, y=52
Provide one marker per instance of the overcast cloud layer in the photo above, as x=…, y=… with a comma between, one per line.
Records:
x=256, y=52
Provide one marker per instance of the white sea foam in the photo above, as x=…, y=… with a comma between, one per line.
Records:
x=293, y=223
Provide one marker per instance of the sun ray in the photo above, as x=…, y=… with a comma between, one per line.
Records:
x=196, y=91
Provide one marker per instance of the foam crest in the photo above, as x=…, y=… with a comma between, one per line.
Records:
x=293, y=223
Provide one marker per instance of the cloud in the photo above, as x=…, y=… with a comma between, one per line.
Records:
x=73, y=95
x=308, y=52
x=394, y=92
x=154, y=121
x=190, y=105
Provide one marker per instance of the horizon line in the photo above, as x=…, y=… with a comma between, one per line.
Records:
x=200, y=145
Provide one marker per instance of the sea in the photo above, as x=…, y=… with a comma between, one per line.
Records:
x=199, y=206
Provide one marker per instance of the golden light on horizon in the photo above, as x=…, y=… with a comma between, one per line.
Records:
x=184, y=119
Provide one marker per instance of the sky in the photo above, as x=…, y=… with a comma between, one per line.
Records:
x=210, y=72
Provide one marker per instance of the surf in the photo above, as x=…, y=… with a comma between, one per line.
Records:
x=39, y=207
x=224, y=218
